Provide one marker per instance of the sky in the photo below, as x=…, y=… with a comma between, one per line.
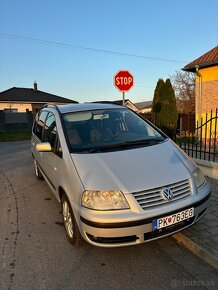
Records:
x=74, y=48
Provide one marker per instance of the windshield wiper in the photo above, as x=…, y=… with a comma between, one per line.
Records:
x=146, y=142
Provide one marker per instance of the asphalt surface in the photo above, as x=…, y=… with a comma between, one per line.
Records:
x=35, y=254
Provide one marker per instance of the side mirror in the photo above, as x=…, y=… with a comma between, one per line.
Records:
x=43, y=147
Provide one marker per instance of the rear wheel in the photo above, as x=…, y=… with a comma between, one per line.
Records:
x=70, y=224
x=38, y=174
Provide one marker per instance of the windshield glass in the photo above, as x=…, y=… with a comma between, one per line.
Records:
x=106, y=130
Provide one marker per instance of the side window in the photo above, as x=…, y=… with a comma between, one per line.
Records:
x=35, y=123
x=50, y=133
x=49, y=124
x=38, y=127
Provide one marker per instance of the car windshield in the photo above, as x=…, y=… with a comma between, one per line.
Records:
x=108, y=130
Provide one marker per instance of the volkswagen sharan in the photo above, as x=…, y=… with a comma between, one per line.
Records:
x=120, y=180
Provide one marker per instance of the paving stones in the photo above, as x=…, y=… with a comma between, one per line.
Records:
x=202, y=238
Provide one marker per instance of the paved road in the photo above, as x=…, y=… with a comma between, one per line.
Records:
x=34, y=253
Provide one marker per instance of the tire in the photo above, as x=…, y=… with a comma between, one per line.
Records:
x=38, y=173
x=71, y=228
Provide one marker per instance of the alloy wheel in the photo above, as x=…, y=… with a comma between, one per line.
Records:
x=68, y=221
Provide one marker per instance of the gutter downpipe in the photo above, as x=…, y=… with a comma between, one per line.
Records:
x=200, y=95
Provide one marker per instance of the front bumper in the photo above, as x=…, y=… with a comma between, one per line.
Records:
x=135, y=232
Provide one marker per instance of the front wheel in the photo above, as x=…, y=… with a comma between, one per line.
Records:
x=70, y=224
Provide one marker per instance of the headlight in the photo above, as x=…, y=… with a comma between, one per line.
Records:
x=198, y=177
x=104, y=200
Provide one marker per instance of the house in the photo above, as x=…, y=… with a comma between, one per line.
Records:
x=206, y=69
x=128, y=104
x=144, y=107
x=27, y=99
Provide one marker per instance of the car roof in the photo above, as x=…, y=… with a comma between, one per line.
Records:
x=68, y=108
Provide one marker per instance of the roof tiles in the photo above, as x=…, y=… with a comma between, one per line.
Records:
x=210, y=58
x=30, y=96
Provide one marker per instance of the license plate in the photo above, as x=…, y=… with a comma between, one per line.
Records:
x=173, y=219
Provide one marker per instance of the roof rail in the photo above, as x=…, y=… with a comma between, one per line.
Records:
x=50, y=106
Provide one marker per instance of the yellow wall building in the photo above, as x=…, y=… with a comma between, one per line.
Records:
x=206, y=69
x=206, y=98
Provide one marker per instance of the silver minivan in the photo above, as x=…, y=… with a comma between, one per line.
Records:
x=120, y=180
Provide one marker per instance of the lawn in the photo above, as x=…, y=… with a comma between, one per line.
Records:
x=14, y=136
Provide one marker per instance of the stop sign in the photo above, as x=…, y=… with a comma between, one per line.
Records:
x=123, y=80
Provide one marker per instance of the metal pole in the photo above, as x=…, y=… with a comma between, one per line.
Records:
x=200, y=95
x=123, y=98
x=180, y=128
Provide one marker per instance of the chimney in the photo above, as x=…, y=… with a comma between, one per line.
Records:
x=35, y=86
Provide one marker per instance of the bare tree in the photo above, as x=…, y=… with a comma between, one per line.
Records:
x=184, y=87
x=10, y=105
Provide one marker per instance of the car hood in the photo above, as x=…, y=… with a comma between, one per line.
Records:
x=133, y=170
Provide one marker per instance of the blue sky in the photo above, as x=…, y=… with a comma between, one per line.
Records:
x=172, y=30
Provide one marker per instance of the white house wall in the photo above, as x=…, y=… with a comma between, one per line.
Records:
x=19, y=107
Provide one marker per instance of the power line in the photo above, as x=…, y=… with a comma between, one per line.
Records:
x=90, y=49
x=21, y=74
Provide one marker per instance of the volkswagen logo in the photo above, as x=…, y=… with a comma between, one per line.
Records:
x=167, y=193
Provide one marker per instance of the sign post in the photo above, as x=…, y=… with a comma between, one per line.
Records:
x=123, y=81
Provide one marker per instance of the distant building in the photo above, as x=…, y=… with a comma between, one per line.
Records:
x=144, y=107
x=26, y=99
x=206, y=69
x=128, y=104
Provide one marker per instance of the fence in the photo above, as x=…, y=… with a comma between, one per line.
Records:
x=13, y=121
x=202, y=143
x=185, y=121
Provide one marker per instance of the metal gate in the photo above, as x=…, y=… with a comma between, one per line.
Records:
x=202, y=143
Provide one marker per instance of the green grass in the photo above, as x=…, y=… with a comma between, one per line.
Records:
x=14, y=136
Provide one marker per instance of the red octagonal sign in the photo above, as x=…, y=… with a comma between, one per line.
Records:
x=123, y=80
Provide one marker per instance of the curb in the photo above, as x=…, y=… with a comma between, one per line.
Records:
x=196, y=249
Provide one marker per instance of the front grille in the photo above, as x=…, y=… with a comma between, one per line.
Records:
x=153, y=197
